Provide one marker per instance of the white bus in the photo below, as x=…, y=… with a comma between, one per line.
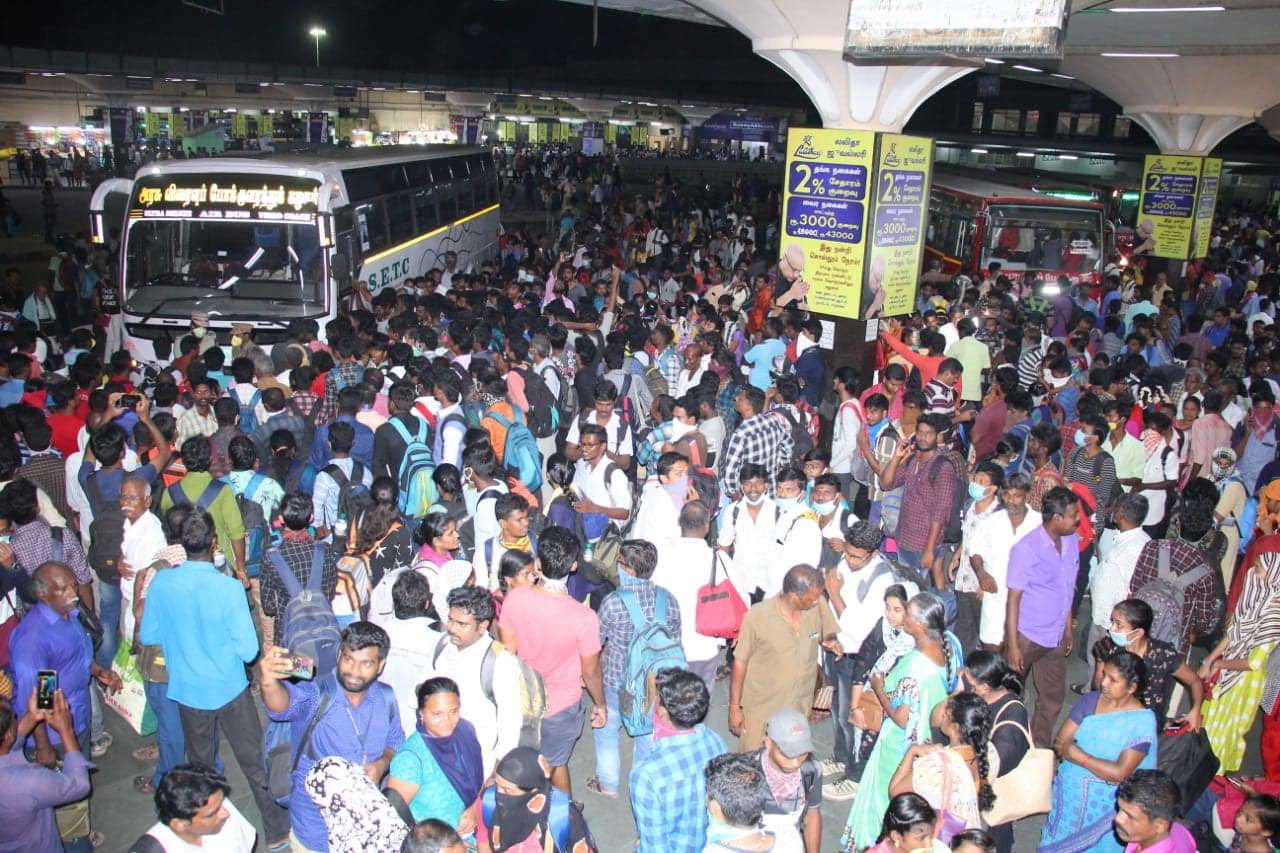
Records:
x=276, y=237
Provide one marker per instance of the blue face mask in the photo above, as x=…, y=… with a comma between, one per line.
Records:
x=786, y=503
x=1121, y=639
x=977, y=492
x=1079, y=438
x=825, y=507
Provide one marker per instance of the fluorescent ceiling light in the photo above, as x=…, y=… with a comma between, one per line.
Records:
x=1132, y=9
x=1062, y=76
x=1025, y=154
x=1068, y=157
x=991, y=61
x=1029, y=68
x=977, y=151
x=1130, y=55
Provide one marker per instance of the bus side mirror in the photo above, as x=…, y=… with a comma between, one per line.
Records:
x=341, y=270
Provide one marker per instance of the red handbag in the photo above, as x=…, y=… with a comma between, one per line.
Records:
x=720, y=608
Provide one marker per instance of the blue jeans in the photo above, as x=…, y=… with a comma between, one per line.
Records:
x=840, y=672
x=608, y=756
x=109, y=614
x=169, y=737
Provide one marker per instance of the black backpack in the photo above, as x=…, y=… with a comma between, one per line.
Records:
x=543, y=417
x=567, y=401
x=801, y=441
x=353, y=494
x=106, y=533
x=951, y=533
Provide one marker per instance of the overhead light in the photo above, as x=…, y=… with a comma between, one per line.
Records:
x=229, y=110
x=1029, y=68
x=977, y=151
x=1130, y=55
x=313, y=85
x=412, y=91
x=545, y=98
x=264, y=83
x=991, y=61
x=182, y=109
x=1025, y=154
x=655, y=124
x=379, y=88
x=1062, y=76
x=687, y=106
x=1132, y=9
x=1068, y=157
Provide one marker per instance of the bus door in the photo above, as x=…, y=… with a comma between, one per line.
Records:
x=107, y=210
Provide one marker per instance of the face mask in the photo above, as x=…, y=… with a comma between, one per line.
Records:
x=198, y=332
x=678, y=488
x=1120, y=639
x=1056, y=382
x=824, y=507
x=1222, y=472
x=977, y=492
x=653, y=294
x=236, y=340
x=1079, y=438
x=786, y=503
x=756, y=501
x=1113, y=425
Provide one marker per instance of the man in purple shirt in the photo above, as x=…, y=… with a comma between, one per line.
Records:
x=1037, y=633
x=32, y=791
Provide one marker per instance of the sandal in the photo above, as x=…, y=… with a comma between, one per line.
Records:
x=723, y=671
x=150, y=752
x=143, y=785
x=97, y=839
x=594, y=786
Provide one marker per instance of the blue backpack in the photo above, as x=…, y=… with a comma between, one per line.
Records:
x=248, y=413
x=652, y=648
x=557, y=817
x=520, y=453
x=417, y=487
x=256, y=525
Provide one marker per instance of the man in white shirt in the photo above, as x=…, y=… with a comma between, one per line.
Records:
x=691, y=373
x=619, y=436
x=1118, y=552
x=1159, y=477
x=540, y=355
x=661, y=499
x=451, y=423
x=213, y=826
x=798, y=536
x=602, y=487
x=488, y=676
x=684, y=567
x=143, y=540
x=989, y=556
x=413, y=639
x=511, y=511
x=855, y=589
x=747, y=532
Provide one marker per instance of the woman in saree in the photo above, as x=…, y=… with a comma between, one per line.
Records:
x=907, y=695
x=1240, y=665
x=1108, y=735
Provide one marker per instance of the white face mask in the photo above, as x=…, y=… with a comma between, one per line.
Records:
x=1056, y=382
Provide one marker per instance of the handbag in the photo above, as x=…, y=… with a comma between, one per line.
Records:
x=872, y=711
x=720, y=609
x=131, y=700
x=1026, y=789
x=1187, y=757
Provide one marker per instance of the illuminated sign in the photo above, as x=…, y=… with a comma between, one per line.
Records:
x=888, y=30
x=904, y=167
x=226, y=196
x=1167, y=208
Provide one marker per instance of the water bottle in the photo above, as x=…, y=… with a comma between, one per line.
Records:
x=340, y=528
x=220, y=561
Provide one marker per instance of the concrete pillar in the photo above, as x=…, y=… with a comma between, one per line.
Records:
x=1177, y=132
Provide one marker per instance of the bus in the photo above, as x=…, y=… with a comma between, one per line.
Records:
x=974, y=220
x=272, y=238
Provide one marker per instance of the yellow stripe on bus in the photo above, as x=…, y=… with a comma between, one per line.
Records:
x=407, y=243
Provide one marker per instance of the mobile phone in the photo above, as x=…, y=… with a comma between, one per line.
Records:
x=1234, y=782
x=301, y=666
x=130, y=401
x=46, y=686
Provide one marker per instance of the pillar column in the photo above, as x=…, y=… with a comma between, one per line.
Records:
x=1177, y=132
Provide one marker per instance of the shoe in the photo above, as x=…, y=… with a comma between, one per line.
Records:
x=99, y=747
x=845, y=789
x=830, y=767
x=282, y=846
x=149, y=752
x=142, y=784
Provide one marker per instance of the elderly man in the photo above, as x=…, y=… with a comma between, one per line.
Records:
x=143, y=540
x=776, y=662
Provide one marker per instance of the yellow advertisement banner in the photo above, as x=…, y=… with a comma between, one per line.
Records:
x=824, y=204
x=1206, y=201
x=1167, y=207
x=904, y=166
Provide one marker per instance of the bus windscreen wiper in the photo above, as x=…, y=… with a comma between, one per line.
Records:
x=163, y=302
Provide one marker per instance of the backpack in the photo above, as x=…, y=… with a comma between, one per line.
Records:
x=308, y=626
x=558, y=826
x=801, y=440
x=657, y=381
x=952, y=532
x=255, y=525
x=417, y=464
x=106, y=533
x=533, y=692
x=652, y=648
x=625, y=407
x=544, y=417
x=304, y=451
x=207, y=497
x=520, y=453
x=567, y=400
x=353, y=494
x=249, y=412
x=1166, y=595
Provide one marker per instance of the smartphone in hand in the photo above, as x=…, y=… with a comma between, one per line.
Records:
x=46, y=686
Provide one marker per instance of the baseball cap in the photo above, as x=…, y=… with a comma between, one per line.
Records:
x=790, y=731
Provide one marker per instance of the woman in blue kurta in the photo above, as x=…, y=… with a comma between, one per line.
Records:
x=1108, y=736
x=439, y=770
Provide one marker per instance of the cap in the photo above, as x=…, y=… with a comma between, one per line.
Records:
x=790, y=731
x=242, y=329
x=199, y=319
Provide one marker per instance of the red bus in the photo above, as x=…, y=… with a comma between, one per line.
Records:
x=974, y=220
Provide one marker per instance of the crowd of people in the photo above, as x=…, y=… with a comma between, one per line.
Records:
x=576, y=486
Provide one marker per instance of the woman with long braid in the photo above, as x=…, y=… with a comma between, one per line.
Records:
x=954, y=777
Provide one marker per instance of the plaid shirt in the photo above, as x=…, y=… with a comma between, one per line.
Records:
x=304, y=400
x=32, y=545
x=669, y=792
x=1200, y=604
x=617, y=630
x=765, y=439
x=350, y=373
x=48, y=471
x=670, y=363
x=925, y=502
x=725, y=398
x=297, y=550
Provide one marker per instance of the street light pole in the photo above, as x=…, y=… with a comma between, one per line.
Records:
x=317, y=33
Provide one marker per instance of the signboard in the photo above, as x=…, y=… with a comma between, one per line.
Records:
x=744, y=128
x=1206, y=201
x=904, y=165
x=225, y=197
x=825, y=197
x=888, y=30
x=1167, y=207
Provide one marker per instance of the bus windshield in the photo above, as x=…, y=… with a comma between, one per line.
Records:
x=1044, y=238
x=238, y=269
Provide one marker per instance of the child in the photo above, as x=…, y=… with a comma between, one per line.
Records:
x=1257, y=825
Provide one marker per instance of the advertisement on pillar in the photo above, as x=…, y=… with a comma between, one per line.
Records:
x=1206, y=201
x=904, y=165
x=825, y=198
x=1167, y=209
